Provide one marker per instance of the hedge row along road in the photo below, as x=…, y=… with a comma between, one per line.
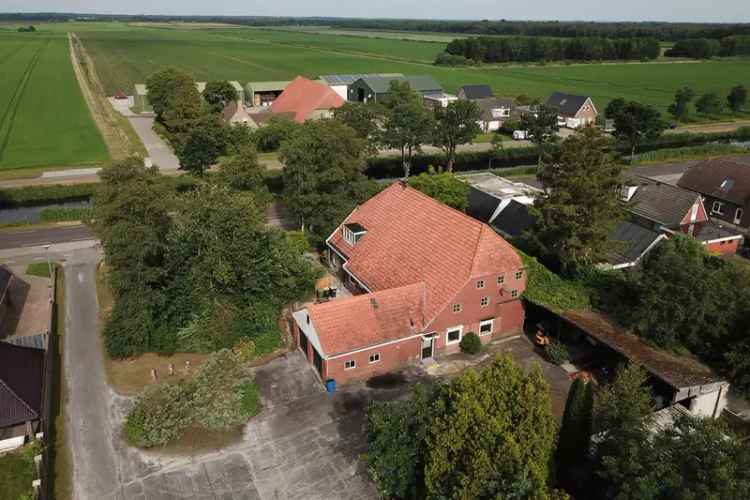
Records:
x=44, y=120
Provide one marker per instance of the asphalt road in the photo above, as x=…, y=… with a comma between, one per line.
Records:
x=44, y=236
x=160, y=153
x=88, y=427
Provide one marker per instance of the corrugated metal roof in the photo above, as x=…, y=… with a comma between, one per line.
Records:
x=629, y=242
x=38, y=341
x=252, y=87
x=236, y=85
x=141, y=89
x=420, y=83
x=348, y=79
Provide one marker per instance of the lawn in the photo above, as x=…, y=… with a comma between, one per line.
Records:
x=126, y=56
x=40, y=269
x=17, y=472
x=44, y=120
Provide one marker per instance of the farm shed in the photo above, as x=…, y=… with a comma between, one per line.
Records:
x=263, y=93
x=378, y=88
x=340, y=83
x=140, y=99
x=201, y=86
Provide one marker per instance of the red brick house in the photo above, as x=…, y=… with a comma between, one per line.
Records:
x=308, y=100
x=423, y=275
x=573, y=110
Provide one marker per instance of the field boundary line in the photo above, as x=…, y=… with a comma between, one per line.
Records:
x=6, y=122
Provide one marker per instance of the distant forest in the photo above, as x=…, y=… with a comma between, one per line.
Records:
x=563, y=29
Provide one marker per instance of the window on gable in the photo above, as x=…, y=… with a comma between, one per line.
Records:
x=480, y=284
x=519, y=274
x=375, y=357
x=484, y=302
x=350, y=364
x=485, y=327
x=501, y=279
x=718, y=208
x=738, y=215
x=514, y=293
x=456, y=308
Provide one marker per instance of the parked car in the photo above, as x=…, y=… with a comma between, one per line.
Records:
x=520, y=135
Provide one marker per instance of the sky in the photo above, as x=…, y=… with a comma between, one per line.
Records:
x=594, y=10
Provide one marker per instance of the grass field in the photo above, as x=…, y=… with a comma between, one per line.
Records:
x=124, y=57
x=44, y=120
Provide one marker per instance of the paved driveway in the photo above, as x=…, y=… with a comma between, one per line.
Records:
x=160, y=153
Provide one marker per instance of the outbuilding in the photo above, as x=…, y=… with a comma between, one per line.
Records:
x=262, y=94
x=141, y=103
x=378, y=88
x=340, y=83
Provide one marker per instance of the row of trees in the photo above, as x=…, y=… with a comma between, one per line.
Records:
x=709, y=103
x=706, y=48
x=199, y=270
x=532, y=49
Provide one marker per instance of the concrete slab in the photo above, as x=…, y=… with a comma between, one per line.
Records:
x=30, y=306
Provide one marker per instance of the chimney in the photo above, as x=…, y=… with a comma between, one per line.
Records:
x=627, y=191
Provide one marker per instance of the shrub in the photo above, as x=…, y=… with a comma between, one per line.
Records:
x=59, y=214
x=556, y=352
x=470, y=343
x=160, y=415
x=37, y=195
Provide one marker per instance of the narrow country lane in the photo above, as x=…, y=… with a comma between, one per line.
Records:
x=89, y=432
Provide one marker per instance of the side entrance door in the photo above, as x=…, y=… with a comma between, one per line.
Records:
x=303, y=342
x=428, y=347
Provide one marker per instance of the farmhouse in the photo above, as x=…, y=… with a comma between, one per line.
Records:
x=573, y=110
x=21, y=393
x=671, y=210
x=308, y=100
x=495, y=111
x=725, y=186
x=140, y=99
x=378, y=88
x=475, y=92
x=340, y=83
x=234, y=113
x=423, y=275
x=261, y=94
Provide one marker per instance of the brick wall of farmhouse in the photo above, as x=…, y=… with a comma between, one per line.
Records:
x=507, y=313
x=392, y=357
x=724, y=247
x=587, y=113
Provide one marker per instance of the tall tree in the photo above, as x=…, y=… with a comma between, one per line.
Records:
x=737, y=98
x=206, y=141
x=218, y=94
x=541, y=127
x=168, y=88
x=579, y=206
x=708, y=104
x=323, y=175
x=575, y=432
x=614, y=107
x=242, y=172
x=444, y=187
x=680, y=108
x=407, y=123
x=492, y=436
x=364, y=119
x=456, y=124
x=635, y=123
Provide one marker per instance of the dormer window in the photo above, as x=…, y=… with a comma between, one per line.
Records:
x=727, y=184
x=353, y=232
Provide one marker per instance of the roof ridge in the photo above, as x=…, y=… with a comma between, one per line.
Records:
x=463, y=214
x=17, y=397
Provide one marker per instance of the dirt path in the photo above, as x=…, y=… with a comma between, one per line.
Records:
x=712, y=127
x=119, y=137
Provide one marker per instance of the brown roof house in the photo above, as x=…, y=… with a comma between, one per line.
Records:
x=307, y=99
x=725, y=186
x=21, y=393
x=423, y=276
x=574, y=111
x=234, y=114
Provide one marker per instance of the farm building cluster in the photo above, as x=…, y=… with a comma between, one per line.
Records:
x=305, y=99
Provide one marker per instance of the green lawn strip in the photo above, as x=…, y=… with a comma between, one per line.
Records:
x=63, y=214
x=17, y=471
x=40, y=269
x=51, y=193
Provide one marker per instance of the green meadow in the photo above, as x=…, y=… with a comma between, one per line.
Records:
x=126, y=56
x=44, y=120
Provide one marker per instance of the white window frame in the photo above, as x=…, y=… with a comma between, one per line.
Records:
x=484, y=302
x=501, y=279
x=460, y=330
x=349, y=235
x=717, y=207
x=738, y=215
x=348, y=362
x=375, y=355
x=456, y=308
x=514, y=294
x=485, y=322
x=480, y=284
x=519, y=274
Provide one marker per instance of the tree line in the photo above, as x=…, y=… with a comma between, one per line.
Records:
x=531, y=49
x=706, y=48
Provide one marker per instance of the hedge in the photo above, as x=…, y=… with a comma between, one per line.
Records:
x=36, y=195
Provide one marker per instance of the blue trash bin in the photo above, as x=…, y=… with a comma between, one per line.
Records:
x=330, y=385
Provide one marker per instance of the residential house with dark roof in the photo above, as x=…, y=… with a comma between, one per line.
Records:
x=672, y=210
x=234, y=113
x=308, y=100
x=474, y=92
x=495, y=111
x=378, y=88
x=423, y=275
x=21, y=393
x=725, y=186
x=574, y=111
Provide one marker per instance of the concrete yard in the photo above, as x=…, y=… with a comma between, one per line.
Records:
x=30, y=306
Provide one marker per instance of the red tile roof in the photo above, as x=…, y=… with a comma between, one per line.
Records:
x=304, y=96
x=412, y=238
x=366, y=320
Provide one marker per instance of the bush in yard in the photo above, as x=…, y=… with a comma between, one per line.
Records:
x=556, y=352
x=470, y=343
x=160, y=415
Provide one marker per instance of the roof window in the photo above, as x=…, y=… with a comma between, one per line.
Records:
x=353, y=232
